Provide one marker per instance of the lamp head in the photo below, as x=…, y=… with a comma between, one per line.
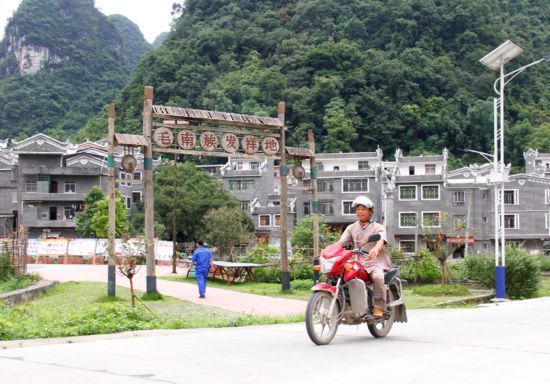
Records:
x=501, y=55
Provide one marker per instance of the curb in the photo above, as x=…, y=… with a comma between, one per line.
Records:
x=479, y=299
x=15, y=297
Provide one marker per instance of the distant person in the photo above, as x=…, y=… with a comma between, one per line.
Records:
x=202, y=261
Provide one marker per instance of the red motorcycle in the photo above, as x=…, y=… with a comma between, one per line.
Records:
x=347, y=296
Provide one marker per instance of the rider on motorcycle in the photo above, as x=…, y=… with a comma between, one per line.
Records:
x=377, y=261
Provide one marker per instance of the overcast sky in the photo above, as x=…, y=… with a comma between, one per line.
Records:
x=152, y=16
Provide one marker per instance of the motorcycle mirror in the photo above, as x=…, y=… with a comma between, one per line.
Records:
x=374, y=237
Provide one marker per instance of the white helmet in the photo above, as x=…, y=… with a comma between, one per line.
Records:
x=362, y=200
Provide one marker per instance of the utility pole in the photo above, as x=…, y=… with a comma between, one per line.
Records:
x=111, y=275
x=174, y=244
x=151, y=280
x=285, y=276
x=314, y=202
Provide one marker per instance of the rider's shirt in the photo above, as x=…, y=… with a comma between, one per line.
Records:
x=357, y=235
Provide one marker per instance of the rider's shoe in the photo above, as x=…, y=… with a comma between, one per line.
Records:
x=378, y=312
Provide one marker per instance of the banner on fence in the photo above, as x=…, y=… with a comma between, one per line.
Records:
x=163, y=250
x=82, y=247
x=32, y=247
x=53, y=247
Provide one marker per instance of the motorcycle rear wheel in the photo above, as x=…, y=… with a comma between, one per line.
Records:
x=321, y=326
x=382, y=328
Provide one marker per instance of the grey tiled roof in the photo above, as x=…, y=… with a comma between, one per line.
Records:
x=347, y=155
x=420, y=159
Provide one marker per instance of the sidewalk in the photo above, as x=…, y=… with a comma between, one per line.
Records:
x=215, y=297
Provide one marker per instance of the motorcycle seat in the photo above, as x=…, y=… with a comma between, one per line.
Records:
x=390, y=275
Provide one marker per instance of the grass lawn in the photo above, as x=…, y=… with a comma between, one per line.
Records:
x=82, y=308
x=544, y=289
x=301, y=289
x=15, y=283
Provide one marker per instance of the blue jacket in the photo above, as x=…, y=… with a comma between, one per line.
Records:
x=202, y=257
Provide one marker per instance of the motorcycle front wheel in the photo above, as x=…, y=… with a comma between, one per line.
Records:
x=382, y=327
x=321, y=326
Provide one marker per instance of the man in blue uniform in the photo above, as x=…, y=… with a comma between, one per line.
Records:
x=202, y=260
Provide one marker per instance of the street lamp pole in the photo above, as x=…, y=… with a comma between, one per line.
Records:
x=496, y=59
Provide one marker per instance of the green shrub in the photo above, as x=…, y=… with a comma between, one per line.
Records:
x=522, y=272
x=480, y=268
x=301, y=285
x=441, y=290
x=423, y=268
x=260, y=254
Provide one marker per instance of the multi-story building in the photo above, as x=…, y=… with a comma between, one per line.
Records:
x=54, y=178
x=8, y=190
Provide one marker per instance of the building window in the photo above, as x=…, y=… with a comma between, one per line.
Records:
x=347, y=209
x=245, y=205
x=511, y=197
x=307, y=208
x=511, y=221
x=319, y=166
x=136, y=197
x=128, y=202
x=265, y=220
x=459, y=197
x=14, y=174
x=430, y=192
x=326, y=207
x=69, y=213
x=411, y=169
x=242, y=185
x=407, y=219
x=254, y=165
x=431, y=219
x=137, y=175
x=336, y=168
x=355, y=185
x=407, y=192
x=363, y=165
x=407, y=246
x=277, y=220
x=325, y=185
x=430, y=169
x=70, y=187
x=484, y=220
x=238, y=166
x=459, y=222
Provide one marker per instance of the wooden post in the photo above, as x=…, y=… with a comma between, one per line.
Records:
x=111, y=275
x=148, y=190
x=285, y=276
x=315, y=202
x=174, y=245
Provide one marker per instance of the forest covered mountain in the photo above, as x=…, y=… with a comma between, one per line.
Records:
x=61, y=61
x=135, y=45
x=361, y=73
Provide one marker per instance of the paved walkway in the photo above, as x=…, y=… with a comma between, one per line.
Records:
x=215, y=297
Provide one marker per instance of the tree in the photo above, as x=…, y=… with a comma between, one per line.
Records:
x=302, y=235
x=100, y=218
x=84, y=218
x=340, y=132
x=197, y=193
x=227, y=227
x=129, y=262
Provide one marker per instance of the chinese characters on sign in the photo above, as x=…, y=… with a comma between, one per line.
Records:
x=230, y=142
x=208, y=141
x=163, y=137
x=186, y=140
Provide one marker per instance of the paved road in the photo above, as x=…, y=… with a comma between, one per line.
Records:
x=504, y=343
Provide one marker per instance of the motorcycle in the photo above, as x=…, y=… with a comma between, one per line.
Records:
x=347, y=296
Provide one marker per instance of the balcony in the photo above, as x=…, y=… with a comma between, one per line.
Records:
x=40, y=223
x=41, y=196
x=70, y=171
